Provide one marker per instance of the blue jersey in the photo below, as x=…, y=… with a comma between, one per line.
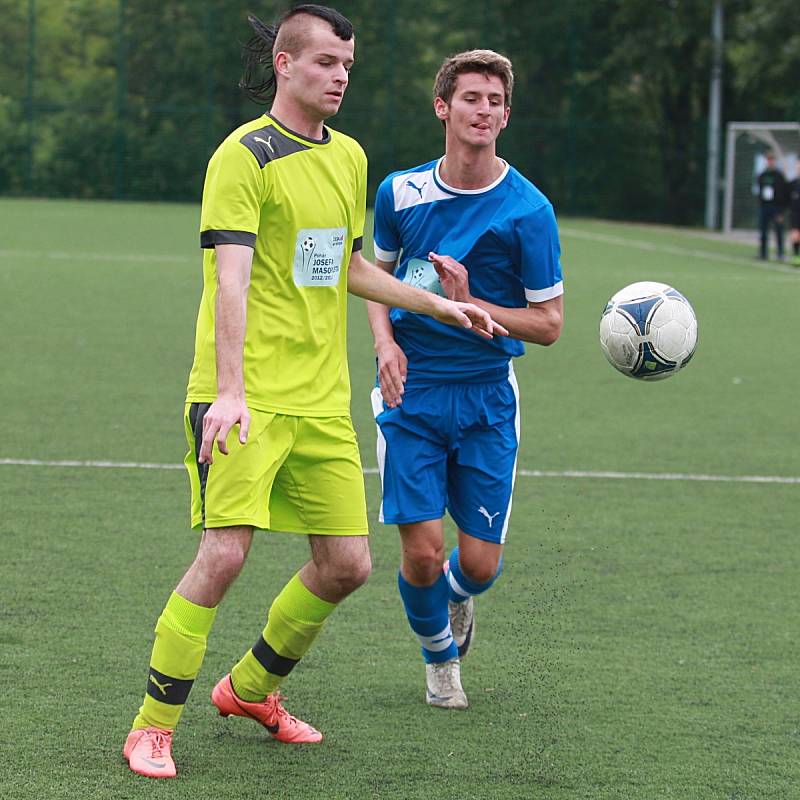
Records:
x=504, y=234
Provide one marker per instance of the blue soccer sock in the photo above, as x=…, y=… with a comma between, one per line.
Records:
x=463, y=587
x=426, y=609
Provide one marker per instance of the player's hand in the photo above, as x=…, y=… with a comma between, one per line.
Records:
x=467, y=315
x=392, y=371
x=453, y=276
x=221, y=416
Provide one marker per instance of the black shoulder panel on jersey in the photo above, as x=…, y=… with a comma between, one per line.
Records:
x=268, y=144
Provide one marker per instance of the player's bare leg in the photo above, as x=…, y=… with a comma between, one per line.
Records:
x=422, y=551
x=424, y=591
x=219, y=560
x=479, y=561
x=181, y=634
x=338, y=566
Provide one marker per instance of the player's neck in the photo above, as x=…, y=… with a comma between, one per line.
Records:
x=470, y=168
x=297, y=119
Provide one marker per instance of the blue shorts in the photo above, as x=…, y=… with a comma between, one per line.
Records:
x=450, y=447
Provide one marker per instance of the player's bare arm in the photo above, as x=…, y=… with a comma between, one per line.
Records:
x=539, y=323
x=234, y=262
x=365, y=280
x=392, y=361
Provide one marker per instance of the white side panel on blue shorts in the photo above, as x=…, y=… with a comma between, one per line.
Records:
x=512, y=379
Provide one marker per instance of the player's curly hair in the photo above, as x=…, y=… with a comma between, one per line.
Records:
x=258, y=80
x=485, y=62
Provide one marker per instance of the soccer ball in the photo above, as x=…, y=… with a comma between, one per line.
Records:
x=648, y=331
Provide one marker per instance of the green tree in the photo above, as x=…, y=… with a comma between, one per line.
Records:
x=764, y=56
x=130, y=97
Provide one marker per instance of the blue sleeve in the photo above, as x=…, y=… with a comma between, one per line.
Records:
x=540, y=255
x=386, y=237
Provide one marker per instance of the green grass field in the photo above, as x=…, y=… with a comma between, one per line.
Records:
x=642, y=642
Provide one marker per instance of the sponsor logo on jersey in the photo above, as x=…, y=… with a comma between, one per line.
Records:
x=319, y=254
x=267, y=142
x=418, y=188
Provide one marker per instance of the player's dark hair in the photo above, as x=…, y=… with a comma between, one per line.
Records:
x=258, y=80
x=485, y=62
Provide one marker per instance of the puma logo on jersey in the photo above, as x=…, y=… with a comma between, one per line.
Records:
x=418, y=188
x=267, y=142
x=162, y=687
x=488, y=516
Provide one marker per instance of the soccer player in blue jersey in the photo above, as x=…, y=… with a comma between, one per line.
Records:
x=470, y=227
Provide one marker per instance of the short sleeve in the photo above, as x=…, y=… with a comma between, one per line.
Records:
x=360, y=212
x=232, y=197
x=386, y=238
x=540, y=255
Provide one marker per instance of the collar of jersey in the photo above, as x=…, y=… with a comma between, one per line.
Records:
x=300, y=138
x=437, y=179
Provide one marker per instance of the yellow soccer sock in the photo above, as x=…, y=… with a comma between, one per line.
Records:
x=180, y=644
x=295, y=618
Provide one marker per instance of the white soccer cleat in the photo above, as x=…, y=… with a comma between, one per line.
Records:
x=444, y=685
x=462, y=624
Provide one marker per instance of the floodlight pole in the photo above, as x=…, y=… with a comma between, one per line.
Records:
x=29, y=110
x=714, y=114
x=122, y=88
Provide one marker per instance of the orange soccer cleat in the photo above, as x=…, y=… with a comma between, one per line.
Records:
x=269, y=712
x=149, y=752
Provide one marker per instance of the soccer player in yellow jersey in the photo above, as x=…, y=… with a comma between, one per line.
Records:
x=271, y=444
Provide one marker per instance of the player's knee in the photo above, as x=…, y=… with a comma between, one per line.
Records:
x=358, y=572
x=347, y=576
x=221, y=562
x=479, y=571
x=424, y=563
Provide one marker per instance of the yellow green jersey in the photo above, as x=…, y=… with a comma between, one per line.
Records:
x=300, y=204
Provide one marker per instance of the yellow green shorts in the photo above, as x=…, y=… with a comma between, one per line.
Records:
x=294, y=474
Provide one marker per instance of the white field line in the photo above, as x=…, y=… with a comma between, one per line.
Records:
x=525, y=473
x=137, y=258
x=651, y=247
x=566, y=230
x=35, y=462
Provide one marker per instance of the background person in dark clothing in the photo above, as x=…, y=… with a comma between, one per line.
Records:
x=793, y=192
x=771, y=202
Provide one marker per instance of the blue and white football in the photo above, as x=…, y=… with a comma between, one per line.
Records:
x=648, y=331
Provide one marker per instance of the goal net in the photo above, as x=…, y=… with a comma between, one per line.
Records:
x=745, y=159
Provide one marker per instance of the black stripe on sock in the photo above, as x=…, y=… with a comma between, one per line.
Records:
x=270, y=660
x=196, y=413
x=167, y=689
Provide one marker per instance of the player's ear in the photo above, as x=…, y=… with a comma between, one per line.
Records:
x=506, y=115
x=441, y=109
x=282, y=64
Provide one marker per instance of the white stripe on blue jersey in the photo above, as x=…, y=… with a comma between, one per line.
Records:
x=413, y=188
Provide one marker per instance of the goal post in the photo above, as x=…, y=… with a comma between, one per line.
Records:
x=745, y=159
